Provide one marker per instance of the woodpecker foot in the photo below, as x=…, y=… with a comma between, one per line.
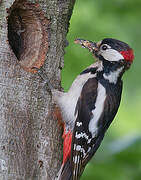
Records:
x=57, y=116
x=43, y=75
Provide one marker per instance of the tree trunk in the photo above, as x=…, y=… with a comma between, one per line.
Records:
x=32, y=34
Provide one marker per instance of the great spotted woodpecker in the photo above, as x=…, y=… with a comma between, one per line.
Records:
x=91, y=103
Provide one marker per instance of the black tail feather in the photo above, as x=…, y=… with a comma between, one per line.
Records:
x=66, y=171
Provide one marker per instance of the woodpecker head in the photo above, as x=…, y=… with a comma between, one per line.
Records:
x=110, y=50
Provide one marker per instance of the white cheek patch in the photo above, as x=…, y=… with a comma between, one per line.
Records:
x=111, y=55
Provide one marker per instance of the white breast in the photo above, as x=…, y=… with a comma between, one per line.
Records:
x=67, y=101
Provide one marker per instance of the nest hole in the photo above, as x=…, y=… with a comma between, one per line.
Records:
x=27, y=34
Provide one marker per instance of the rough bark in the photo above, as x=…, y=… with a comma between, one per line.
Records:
x=30, y=139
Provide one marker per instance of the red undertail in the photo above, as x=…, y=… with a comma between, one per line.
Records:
x=65, y=172
x=67, y=145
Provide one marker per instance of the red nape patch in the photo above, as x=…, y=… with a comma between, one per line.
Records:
x=128, y=55
x=66, y=145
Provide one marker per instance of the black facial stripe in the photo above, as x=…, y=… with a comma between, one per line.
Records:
x=116, y=44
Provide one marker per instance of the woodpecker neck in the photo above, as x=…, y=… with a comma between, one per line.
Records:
x=112, y=71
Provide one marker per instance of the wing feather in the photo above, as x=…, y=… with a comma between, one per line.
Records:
x=81, y=135
x=84, y=145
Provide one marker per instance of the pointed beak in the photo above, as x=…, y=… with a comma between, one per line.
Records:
x=92, y=46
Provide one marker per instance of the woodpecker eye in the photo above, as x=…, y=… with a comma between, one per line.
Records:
x=104, y=47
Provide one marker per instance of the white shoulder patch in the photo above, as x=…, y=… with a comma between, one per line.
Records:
x=99, y=105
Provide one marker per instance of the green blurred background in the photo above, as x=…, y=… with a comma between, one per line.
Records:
x=119, y=156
